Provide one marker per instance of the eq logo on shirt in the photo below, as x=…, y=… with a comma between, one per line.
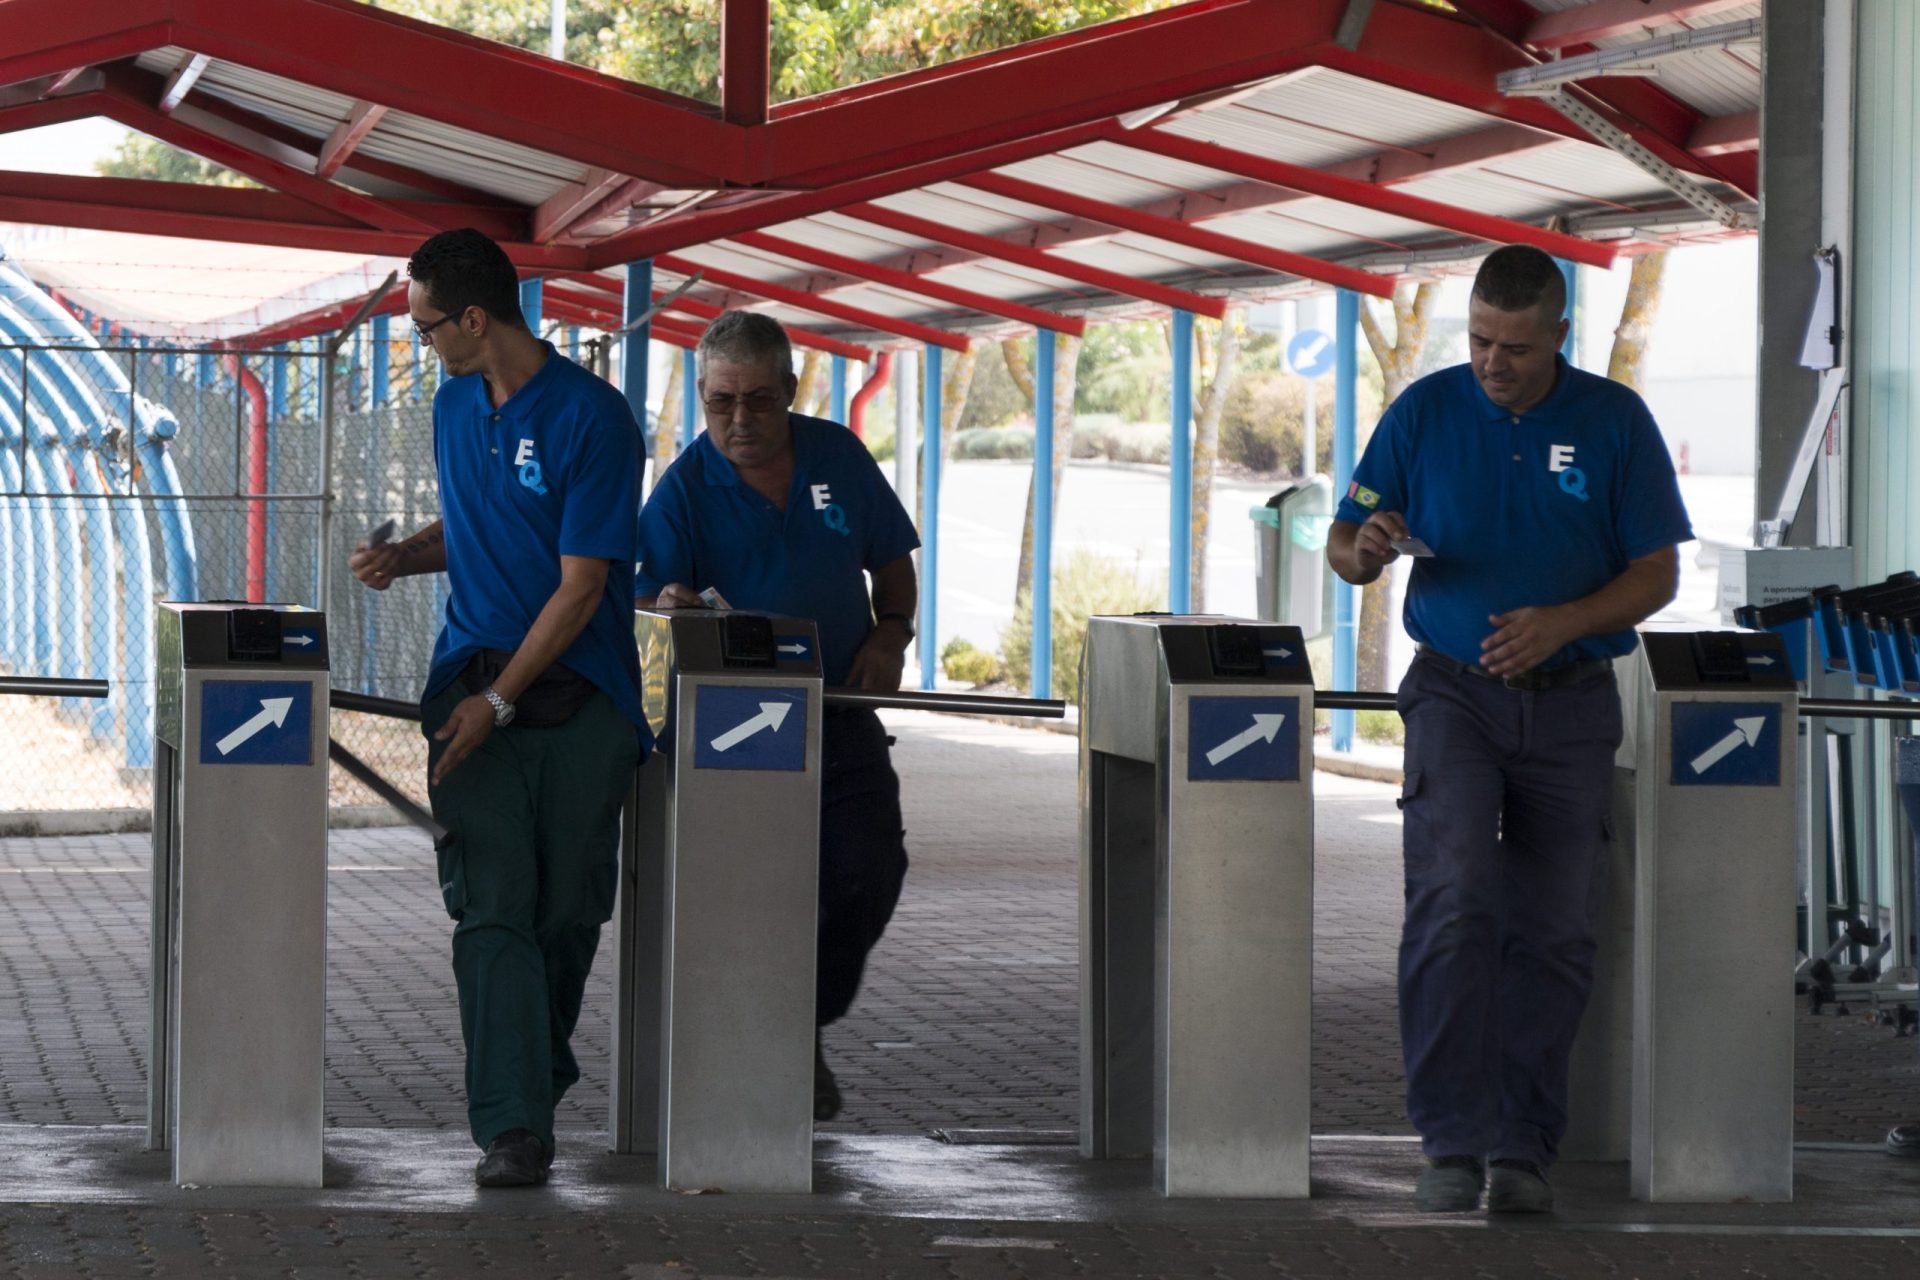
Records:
x=1572, y=479
x=529, y=469
x=831, y=514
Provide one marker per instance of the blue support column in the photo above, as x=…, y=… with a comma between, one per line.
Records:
x=530, y=302
x=357, y=372
x=837, y=402
x=204, y=368
x=276, y=423
x=689, y=398
x=1180, y=505
x=378, y=394
x=419, y=380
x=1570, y=272
x=1045, y=345
x=382, y=373
x=634, y=345
x=929, y=637
x=1346, y=597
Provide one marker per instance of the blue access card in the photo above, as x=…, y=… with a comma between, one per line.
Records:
x=1243, y=739
x=750, y=727
x=1726, y=744
x=256, y=722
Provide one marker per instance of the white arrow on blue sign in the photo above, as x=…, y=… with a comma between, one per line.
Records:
x=1726, y=744
x=1310, y=353
x=1241, y=739
x=750, y=727
x=256, y=722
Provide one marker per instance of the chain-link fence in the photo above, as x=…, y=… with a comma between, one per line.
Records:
x=134, y=474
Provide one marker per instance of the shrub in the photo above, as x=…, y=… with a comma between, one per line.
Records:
x=965, y=663
x=993, y=442
x=880, y=445
x=1086, y=585
x=1264, y=419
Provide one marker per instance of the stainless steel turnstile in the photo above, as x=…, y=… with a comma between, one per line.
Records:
x=236, y=1071
x=1196, y=901
x=713, y=1023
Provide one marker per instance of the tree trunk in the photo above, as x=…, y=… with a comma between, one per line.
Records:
x=1637, y=315
x=666, y=431
x=956, y=384
x=1206, y=454
x=1399, y=363
x=811, y=363
x=1014, y=352
x=1066, y=370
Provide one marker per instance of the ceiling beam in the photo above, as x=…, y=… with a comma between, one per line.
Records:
x=1724, y=135
x=907, y=282
x=181, y=82
x=346, y=136
x=813, y=302
x=1182, y=233
x=746, y=66
x=564, y=208
x=1602, y=19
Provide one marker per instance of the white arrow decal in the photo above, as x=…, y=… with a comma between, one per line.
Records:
x=1760, y=659
x=795, y=649
x=1265, y=729
x=772, y=714
x=273, y=711
x=302, y=640
x=1310, y=354
x=1282, y=654
x=1746, y=732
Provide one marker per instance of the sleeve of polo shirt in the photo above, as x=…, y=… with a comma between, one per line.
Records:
x=666, y=540
x=603, y=487
x=1651, y=514
x=891, y=532
x=1378, y=483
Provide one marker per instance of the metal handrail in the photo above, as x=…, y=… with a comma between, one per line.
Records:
x=977, y=704
x=52, y=687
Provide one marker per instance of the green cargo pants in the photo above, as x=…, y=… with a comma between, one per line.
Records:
x=528, y=869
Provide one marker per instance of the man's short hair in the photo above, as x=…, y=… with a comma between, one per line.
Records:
x=462, y=269
x=745, y=337
x=1516, y=277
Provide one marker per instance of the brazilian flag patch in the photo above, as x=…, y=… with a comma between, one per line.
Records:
x=1363, y=495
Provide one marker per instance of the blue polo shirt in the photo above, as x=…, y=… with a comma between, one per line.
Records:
x=555, y=471
x=1532, y=509
x=703, y=526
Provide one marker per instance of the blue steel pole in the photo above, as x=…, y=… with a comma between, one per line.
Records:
x=1180, y=454
x=276, y=423
x=531, y=299
x=377, y=494
x=929, y=631
x=1043, y=387
x=837, y=401
x=419, y=380
x=634, y=347
x=689, y=398
x=1346, y=377
x=1570, y=272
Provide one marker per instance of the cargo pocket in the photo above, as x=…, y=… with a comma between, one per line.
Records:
x=1409, y=788
x=450, y=861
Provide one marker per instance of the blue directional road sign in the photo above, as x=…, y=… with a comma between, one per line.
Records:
x=1310, y=353
x=793, y=648
x=1243, y=739
x=256, y=722
x=750, y=727
x=1726, y=744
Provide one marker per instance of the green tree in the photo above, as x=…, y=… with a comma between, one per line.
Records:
x=139, y=156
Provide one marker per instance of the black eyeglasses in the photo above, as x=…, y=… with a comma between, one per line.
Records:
x=755, y=402
x=426, y=330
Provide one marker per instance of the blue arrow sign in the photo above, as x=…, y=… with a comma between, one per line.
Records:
x=793, y=648
x=1243, y=739
x=750, y=727
x=1726, y=744
x=300, y=639
x=1310, y=353
x=256, y=722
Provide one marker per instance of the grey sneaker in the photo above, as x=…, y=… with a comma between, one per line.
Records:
x=1450, y=1184
x=1518, y=1186
x=1904, y=1140
x=517, y=1158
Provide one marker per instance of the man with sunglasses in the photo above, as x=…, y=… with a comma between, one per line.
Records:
x=782, y=512
x=532, y=704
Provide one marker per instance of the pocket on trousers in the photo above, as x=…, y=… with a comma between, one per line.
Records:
x=1409, y=789
x=450, y=862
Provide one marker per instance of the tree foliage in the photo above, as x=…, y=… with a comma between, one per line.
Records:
x=139, y=156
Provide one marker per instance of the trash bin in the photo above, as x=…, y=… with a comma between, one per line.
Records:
x=1291, y=580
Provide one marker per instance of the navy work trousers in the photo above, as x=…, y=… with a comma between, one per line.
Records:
x=1506, y=806
x=863, y=852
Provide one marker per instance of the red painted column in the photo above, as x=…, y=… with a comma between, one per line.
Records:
x=746, y=61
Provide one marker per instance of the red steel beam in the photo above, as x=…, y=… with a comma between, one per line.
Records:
x=910, y=283
x=1603, y=18
x=707, y=311
x=564, y=207
x=814, y=302
x=45, y=111
x=1726, y=134
x=746, y=68
x=1183, y=233
x=346, y=136
x=48, y=37
x=1036, y=260
x=323, y=320
x=1366, y=195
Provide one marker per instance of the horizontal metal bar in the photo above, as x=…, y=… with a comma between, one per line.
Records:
x=979, y=704
x=1845, y=709
x=396, y=708
x=371, y=779
x=1345, y=700
x=52, y=687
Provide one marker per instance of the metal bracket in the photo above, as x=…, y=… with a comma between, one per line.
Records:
x=1826, y=408
x=1612, y=136
x=1632, y=59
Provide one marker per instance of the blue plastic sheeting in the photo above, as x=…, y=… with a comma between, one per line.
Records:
x=1346, y=375
x=1046, y=349
x=1180, y=457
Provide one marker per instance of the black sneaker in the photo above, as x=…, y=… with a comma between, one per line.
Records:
x=517, y=1158
x=1450, y=1184
x=1518, y=1186
x=826, y=1090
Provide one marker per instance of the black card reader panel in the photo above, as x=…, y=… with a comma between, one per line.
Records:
x=1719, y=657
x=1235, y=651
x=746, y=640
x=253, y=635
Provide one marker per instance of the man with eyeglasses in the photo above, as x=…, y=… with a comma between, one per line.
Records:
x=787, y=513
x=532, y=704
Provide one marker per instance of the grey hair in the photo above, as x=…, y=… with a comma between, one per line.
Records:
x=745, y=337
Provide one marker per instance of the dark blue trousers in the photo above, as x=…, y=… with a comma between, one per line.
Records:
x=1506, y=807
x=863, y=852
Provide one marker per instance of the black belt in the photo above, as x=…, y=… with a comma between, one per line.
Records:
x=1535, y=681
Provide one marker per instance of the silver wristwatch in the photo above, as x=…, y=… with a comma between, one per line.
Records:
x=502, y=709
